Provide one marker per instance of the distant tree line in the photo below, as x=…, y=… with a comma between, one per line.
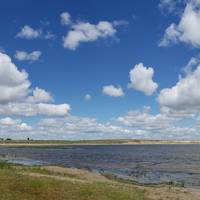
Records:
x=9, y=139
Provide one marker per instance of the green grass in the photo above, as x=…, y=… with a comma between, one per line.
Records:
x=14, y=185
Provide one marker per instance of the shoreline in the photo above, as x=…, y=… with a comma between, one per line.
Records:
x=93, y=142
x=81, y=177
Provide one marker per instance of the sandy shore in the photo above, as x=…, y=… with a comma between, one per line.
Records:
x=106, y=142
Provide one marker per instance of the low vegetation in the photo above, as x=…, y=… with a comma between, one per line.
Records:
x=37, y=183
x=19, y=182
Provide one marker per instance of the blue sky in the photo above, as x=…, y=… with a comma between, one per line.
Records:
x=122, y=55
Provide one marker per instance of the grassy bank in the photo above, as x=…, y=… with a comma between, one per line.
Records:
x=58, y=183
x=54, y=183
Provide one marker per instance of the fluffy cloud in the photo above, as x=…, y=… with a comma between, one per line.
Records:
x=88, y=97
x=187, y=113
x=52, y=109
x=74, y=126
x=7, y=121
x=87, y=32
x=65, y=18
x=141, y=78
x=28, y=32
x=82, y=31
x=135, y=124
x=24, y=127
x=15, y=98
x=164, y=125
x=184, y=95
x=33, y=56
x=144, y=120
x=14, y=84
x=113, y=91
x=40, y=96
x=182, y=101
x=187, y=30
x=34, y=109
x=13, y=125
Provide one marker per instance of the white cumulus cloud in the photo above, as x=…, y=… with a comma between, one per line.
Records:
x=87, y=32
x=34, y=109
x=40, y=96
x=80, y=127
x=28, y=32
x=7, y=121
x=14, y=84
x=17, y=98
x=11, y=125
x=164, y=125
x=184, y=95
x=83, y=31
x=23, y=55
x=141, y=78
x=187, y=30
x=113, y=91
x=24, y=127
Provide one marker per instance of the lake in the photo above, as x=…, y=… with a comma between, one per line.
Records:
x=142, y=163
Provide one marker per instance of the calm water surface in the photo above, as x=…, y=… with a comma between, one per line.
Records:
x=141, y=163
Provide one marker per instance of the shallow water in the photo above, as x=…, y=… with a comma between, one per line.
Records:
x=141, y=163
